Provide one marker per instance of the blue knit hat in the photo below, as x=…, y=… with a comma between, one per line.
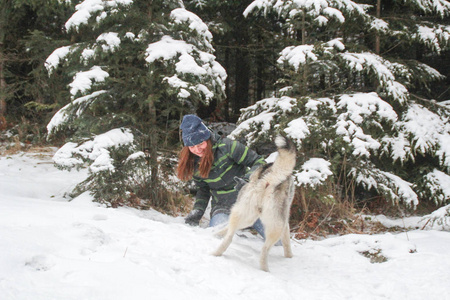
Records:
x=193, y=130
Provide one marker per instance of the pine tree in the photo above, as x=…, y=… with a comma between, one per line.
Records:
x=354, y=98
x=245, y=47
x=135, y=68
x=27, y=30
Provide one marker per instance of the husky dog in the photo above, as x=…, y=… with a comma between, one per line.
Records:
x=268, y=196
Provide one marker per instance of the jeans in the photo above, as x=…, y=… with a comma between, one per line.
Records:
x=222, y=218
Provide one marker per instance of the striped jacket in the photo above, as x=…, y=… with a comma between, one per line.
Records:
x=231, y=158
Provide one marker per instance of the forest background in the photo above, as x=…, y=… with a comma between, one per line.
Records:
x=362, y=87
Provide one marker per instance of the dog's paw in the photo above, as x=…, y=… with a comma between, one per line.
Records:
x=287, y=251
x=216, y=253
x=265, y=268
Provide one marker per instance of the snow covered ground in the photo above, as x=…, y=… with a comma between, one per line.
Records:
x=51, y=248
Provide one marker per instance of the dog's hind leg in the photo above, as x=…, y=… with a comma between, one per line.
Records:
x=286, y=240
x=272, y=236
x=231, y=229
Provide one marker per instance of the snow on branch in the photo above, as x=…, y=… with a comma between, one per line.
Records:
x=261, y=115
x=297, y=55
x=352, y=115
x=180, y=15
x=259, y=124
x=169, y=49
x=188, y=60
x=353, y=134
x=72, y=110
x=359, y=109
x=111, y=41
x=436, y=38
x=88, y=8
x=107, y=42
x=268, y=104
x=437, y=186
x=321, y=11
x=313, y=172
x=166, y=49
x=379, y=25
x=52, y=62
x=95, y=151
x=428, y=72
x=438, y=220
x=373, y=64
x=440, y=7
x=397, y=147
x=365, y=63
x=361, y=105
x=298, y=130
x=444, y=150
x=83, y=81
x=427, y=131
x=387, y=184
x=263, y=6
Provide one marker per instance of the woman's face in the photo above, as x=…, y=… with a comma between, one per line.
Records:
x=199, y=149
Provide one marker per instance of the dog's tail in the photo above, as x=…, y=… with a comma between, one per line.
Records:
x=284, y=163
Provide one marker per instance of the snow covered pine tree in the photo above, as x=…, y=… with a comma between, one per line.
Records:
x=131, y=65
x=361, y=119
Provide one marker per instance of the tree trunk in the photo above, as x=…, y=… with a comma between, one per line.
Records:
x=5, y=12
x=242, y=77
x=153, y=131
x=260, y=86
x=153, y=134
x=377, y=36
x=303, y=201
x=2, y=87
x=260, y=67
x=227, y=86
x=304, y=28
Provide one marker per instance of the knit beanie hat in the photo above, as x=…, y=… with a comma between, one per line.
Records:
x=193, y=130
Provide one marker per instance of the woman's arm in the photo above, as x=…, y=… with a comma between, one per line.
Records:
x=243, y=155
x=202, y=196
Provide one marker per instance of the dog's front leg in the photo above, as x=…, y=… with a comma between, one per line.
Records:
x=221, y=233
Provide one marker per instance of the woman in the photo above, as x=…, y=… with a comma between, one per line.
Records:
x=213, y=162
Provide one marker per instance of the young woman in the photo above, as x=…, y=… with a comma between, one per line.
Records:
x=213, y=162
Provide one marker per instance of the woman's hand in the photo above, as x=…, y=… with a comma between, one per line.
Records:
x=239, y=183
x=194, y=217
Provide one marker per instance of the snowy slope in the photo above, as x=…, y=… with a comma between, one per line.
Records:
x=51, y=248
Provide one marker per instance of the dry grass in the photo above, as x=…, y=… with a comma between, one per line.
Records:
x=16, y=147
x=312, y=217
x=12, y=147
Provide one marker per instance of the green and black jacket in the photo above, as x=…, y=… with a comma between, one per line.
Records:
x=231, y=158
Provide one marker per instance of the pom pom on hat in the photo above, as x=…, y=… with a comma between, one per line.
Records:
x=193, y=131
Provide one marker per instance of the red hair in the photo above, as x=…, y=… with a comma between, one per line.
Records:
x=185, y=169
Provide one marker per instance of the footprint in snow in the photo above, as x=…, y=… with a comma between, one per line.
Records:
x=100, y=217
x=40, y=263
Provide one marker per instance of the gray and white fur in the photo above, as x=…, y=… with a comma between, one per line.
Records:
x=268, y=196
